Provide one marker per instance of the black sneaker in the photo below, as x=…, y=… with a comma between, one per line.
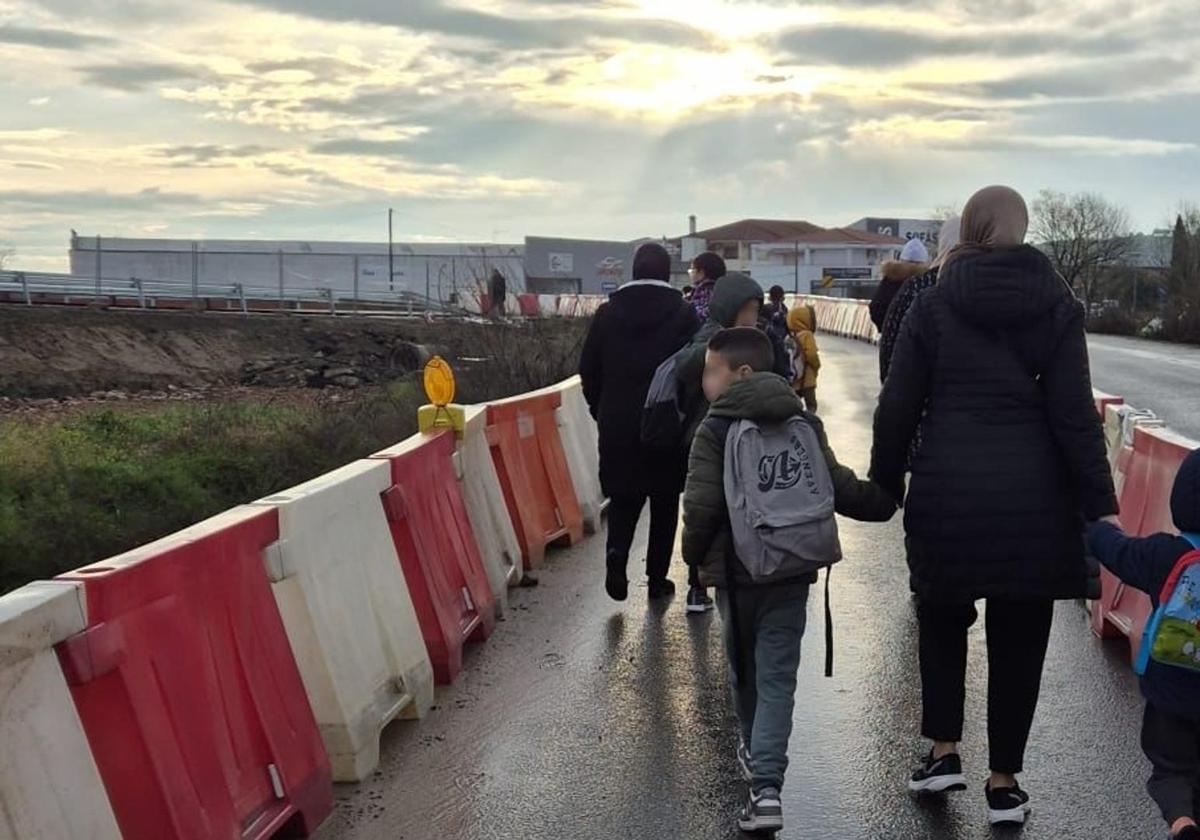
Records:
x=743, y=760
x=764, y=812
x=698, y=600
x=938, y=775
x=1007, y=805
x=615, y=582
x=664, y=588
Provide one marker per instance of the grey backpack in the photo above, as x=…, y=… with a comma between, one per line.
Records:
x=780, y=497
x=663, y=416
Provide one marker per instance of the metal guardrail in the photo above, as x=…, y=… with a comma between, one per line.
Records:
x=32, y=288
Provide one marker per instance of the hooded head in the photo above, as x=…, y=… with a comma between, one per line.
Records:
x=799, y=319
x=995, y=217
x=914, y=252
x=1185, y=495
x=947, y=239
x=732, y=292
x=652, y=262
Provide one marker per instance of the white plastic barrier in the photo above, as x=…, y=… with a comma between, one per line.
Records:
x=547, y=305
x=486, y=508
x=580, y=440
x=345, y=604
x=49, y=784
x=1119, y=423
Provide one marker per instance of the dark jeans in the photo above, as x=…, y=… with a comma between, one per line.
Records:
x=1018, y=633
x=766, y=642
x=1173, y=746
x=623, y=515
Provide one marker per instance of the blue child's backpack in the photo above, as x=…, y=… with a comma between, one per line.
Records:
x=1172, y=635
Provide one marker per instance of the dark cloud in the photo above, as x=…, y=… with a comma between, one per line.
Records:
x=207, y=154
x=51, y=39
x=564, y=29
x=1092, y=80
x=138, y=75
x=322, y=67
x=848, y=44
x=83, y=202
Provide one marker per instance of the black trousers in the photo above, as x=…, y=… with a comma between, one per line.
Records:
x=1018, y=633
x=1173, y=746
x=623, y=515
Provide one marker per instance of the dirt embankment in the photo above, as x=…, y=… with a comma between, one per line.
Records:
x=58, y=353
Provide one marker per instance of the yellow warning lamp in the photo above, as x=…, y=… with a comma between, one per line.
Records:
x=439, y=382
x=441, y=413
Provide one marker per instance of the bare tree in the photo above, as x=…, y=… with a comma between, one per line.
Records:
x=6, y=254
x=1085, y=236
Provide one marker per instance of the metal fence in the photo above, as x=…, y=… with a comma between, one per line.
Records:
x=33, y=288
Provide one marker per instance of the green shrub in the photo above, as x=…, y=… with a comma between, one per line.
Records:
x=99, y=483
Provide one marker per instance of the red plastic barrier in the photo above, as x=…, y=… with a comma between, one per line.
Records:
x=446, y=577
x=1103, y=401
x=1150, y=468
x=532, y=466
x=188, y=692
x=529, y=305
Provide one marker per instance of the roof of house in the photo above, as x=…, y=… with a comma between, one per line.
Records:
x=780, y=230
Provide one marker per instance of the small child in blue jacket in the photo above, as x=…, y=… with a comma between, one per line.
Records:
x=1171, y=727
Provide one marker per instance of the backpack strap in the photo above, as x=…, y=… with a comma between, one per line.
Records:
x=828, y=627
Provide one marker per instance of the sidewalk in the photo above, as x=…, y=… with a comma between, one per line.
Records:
x=587, y=719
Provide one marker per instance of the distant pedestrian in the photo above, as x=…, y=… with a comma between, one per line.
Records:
x=736, y=302
x=764, y=604
x=640, y=325
x=1171, y=726
x=772, y=319
x=890, y=330
x=775, y=309
x=992, y=364
x=706, y=270
x=497, y=293
x=914, y=261
x=806, y=360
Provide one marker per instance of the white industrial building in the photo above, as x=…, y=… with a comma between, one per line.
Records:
x=799, y=256
x=446, y=273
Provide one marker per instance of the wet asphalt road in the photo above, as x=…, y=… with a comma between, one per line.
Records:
x=1164, y=378
x=582, y=719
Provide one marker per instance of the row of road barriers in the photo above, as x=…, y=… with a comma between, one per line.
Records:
x=216, y=682
x=1144, y=456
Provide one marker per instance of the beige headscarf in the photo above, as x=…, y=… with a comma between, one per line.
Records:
x=995, y=217
x=948, y=239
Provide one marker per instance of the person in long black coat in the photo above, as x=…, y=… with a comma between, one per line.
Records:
x=992, y=364
x=643, y=323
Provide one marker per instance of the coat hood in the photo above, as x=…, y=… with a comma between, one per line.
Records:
x=760, y=396
x=799, y=319
x=1185, y=495
x=729, y=295
x=897, y=271
x=648, y=305
x=1002, y=287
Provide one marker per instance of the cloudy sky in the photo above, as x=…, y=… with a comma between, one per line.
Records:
x=493, y=119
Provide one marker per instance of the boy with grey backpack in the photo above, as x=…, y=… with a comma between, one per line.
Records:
x=758, y=515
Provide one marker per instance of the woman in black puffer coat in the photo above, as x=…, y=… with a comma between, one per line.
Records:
x=992, y=365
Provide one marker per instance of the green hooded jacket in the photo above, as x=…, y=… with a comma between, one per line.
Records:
x=707, y=538
x=731, y=293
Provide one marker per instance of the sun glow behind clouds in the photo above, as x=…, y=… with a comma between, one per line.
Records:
x=657, y=85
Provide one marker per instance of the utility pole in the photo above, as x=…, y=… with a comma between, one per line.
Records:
x=391, y=265
x=796, y=288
